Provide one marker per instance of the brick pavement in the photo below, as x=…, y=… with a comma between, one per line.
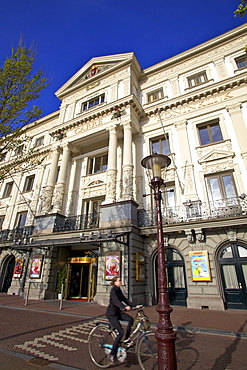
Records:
x=41, y=330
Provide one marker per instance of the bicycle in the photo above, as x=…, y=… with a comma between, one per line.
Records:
x=142, y=340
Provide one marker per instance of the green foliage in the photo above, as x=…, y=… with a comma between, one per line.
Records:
x=61, y=278
x=241, y=9
x=18, y=87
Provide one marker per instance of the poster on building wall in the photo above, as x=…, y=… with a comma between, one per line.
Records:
x=140, y=267
x=36, y=267
x=18, y=268
x=112, y=264
x=199, y=264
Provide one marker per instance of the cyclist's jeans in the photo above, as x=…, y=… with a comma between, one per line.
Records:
x=114, y=320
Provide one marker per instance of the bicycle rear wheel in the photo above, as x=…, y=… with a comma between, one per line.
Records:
x=147, y=352
x=100, y=342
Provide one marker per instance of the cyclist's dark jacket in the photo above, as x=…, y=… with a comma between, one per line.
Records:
x=117, y=300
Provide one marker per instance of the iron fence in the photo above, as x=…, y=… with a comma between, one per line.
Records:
x=195, y=211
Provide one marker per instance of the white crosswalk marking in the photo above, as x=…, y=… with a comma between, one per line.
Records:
x=56, y=339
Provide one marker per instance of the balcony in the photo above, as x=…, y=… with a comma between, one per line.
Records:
x=16, y=235
x=81, y=222
x=195, y=211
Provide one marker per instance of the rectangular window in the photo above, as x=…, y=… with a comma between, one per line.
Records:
x=221, y=186
x=155, y=95
x=28, y=186
x=39, y=142
x=1, y=222
x=197, y=79
x=97, y=164
x=19, y=150
x=93, y=102
x=2, y=157
x=210, y=132
x=161, y=146
x=8, y=189
x=21, y=220
x=241, y=61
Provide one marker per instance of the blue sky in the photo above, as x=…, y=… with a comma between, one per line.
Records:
x=68, y=33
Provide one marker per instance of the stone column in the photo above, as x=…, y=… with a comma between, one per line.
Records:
x=240, y=128
x=112, y=167
x=127, y=193
x=46, y=197
x=58, y=201
x=36, y=194
x=75, y=181
x=186, y=165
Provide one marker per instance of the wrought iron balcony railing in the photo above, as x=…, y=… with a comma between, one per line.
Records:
x=195, y=211
x=81, y=222
x=16, y=235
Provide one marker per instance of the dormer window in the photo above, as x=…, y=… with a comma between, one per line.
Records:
x=93, y=102
x=241, y=61
x=197, y=79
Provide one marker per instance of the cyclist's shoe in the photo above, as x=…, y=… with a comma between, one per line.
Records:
x=112, y=359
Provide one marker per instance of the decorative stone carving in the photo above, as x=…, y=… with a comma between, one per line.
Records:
x=190, y=236
x=128, y=183
x=46, y=199
x=232, y=234
x=58, y=198
x=111, y=185
x=166, y=240
x=199, y=235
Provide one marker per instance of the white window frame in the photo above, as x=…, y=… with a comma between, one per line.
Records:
x=39, y=141
x=183, y=79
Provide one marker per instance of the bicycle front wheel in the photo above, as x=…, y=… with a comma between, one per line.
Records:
x=100, y=342
x=147, y=352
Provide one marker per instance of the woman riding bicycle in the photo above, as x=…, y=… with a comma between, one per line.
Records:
x=115, y=312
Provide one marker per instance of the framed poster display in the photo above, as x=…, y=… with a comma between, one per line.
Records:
x=112, y=264
x=199, y=265
x=36, y=267
x=140, y=267
x=18, y=268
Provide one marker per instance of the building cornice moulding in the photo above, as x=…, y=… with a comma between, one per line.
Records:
x=217, y=90
x=108, y=109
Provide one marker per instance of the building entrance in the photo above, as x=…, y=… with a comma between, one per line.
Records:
x=233, y=267
x=8, y=269
x=82, y=278
x=175, y=273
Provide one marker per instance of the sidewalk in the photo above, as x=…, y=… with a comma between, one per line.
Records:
x=227, y=323
x=39, y=334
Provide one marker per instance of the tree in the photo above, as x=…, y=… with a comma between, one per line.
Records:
x=241, y=9
x=19, y=86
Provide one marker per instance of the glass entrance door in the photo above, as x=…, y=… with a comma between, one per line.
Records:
x=175, y=277
x=79, y=281
x=82, y=278
x=233, y=267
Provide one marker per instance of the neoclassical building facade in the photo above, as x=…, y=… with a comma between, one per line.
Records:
x=83, y=211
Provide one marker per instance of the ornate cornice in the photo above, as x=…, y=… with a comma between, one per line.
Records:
x=109, y=109
x=197, y=96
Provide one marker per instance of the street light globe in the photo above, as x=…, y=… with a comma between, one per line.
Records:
x=154, y=163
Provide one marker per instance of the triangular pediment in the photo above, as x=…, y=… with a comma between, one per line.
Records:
x=92, y=70
x=215, y=155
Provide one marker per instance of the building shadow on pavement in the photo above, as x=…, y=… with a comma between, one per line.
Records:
x=187, y=356
x=226, y=358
